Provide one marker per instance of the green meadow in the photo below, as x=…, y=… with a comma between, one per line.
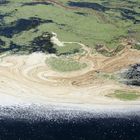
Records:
x=125, y=95
x=65, y=65
x=90, y=26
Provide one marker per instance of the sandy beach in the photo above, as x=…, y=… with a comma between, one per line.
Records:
x=26, y=79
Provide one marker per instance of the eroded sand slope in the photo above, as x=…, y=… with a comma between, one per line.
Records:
x=27, y=78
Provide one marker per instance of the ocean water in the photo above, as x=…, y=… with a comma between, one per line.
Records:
x=39, y=123
x=93, y=129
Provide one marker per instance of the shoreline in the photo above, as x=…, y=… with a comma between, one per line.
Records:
x=35, y=112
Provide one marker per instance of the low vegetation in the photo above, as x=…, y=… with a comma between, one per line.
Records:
x=137, y=46
x=132, y=75
x=108, y=76
x=126, y=95
x=107, y=51
x=64, y=64
x=68, y=49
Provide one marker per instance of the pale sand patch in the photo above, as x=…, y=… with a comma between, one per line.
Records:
x=56, y=41
x=25, y=82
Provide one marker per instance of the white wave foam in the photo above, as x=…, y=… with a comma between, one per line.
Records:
x=36, y=112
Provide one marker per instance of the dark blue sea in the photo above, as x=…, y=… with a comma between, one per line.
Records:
x=95, y=129
x=31, y=123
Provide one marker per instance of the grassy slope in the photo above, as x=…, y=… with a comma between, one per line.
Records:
x=95, y=27
x=64, y=65
x=68, y=49
x=125, y=95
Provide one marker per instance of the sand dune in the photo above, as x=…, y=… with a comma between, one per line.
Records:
x=28, y=79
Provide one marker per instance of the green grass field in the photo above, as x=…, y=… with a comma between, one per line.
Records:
x=64, y=64
x=126, y=95
x=121, y=19
x=68, y=49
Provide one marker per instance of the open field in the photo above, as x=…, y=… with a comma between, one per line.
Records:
x=126, y=95
x=70, y=20
x=64, y=65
